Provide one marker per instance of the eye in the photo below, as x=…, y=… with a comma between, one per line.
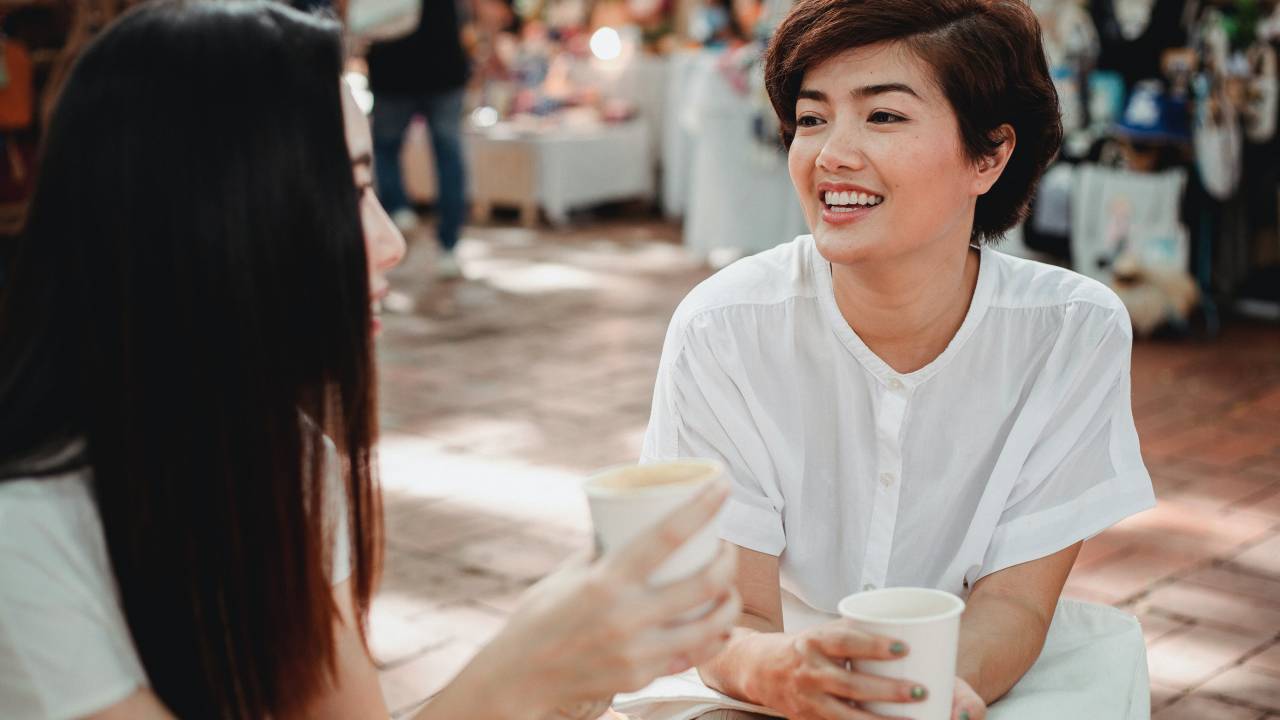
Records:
x=880, y=117
x=809, y=121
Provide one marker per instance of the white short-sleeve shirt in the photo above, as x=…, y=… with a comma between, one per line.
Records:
x=1014, y=443
x=65, y=647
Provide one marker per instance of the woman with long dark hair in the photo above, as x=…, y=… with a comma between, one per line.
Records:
x=189, y=515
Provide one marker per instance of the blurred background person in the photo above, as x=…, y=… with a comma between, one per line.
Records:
x=423, y=73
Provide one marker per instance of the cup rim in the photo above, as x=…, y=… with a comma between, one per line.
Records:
x=592, y=490
x=956, y=609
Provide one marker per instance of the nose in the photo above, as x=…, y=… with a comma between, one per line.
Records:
x=841, y=151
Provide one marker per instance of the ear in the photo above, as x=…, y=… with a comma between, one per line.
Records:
x=991, y=166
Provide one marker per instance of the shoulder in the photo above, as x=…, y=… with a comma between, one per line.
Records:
x=51, y=542
x=1030, y=286
x=765, y=280
x=36, y=511
x=65, y=650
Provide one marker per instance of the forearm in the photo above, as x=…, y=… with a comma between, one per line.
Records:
x=477, y=693
x=735, y=671
x=1000, y=638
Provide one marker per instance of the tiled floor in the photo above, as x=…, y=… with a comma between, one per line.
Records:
x=499, y=392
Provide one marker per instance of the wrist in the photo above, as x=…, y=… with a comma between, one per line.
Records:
x=763, y=670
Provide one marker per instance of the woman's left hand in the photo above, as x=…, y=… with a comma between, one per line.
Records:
x=967, y=705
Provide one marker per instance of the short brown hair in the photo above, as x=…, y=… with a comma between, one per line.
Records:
x=986, y=57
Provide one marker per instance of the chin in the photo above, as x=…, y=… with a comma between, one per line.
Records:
x=842, y=247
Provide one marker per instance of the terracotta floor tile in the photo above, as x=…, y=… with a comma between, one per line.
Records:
x=1216, y=607
x=1156, y=625
x=1201, y=707
x=1262, y=559
x=1222, y=491
x=1187, y=659
x=1163, y=695
x=1173, y=525
x=1229, y=580
x=1267, y=661
x=1131, y=573
x=1247, y=685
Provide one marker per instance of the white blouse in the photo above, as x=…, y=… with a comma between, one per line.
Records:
x=1014, y=443
x=65, y=646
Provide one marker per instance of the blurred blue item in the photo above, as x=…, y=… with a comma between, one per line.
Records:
x=545, y=105
x=1154, y=116
x=1106, y=96
x=708, y=22
x=531, y=69
x=1067, y=82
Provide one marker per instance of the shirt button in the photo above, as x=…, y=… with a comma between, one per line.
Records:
x=895, y=384
x=887, y=479
x=868, y=586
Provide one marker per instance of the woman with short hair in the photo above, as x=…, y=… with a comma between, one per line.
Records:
x=897, y=403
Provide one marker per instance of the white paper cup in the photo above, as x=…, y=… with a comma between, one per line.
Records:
x=928, y=621
x=628, y=500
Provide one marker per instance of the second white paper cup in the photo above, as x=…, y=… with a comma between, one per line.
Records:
x=928, y=621
x=620, y=514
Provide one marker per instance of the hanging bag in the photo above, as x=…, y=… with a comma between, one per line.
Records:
x=370, y=21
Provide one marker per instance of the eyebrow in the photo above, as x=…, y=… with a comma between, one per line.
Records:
x=861, y=92
x=362, y=159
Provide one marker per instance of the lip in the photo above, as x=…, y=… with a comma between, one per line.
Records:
x=824, y=187
x=846, y=217
x=375, y=299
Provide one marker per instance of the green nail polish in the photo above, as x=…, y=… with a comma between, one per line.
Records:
x=898, y=649
x=964, y=715
x=918, y=693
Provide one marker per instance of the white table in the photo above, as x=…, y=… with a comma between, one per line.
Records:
x=1093, y=665
x=558, y=168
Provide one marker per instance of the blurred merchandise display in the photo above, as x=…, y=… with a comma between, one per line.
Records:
x=1168, y=186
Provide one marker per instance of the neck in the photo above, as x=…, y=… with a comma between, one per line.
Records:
x=907, y=309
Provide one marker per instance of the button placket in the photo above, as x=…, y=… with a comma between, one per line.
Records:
x=884, y=515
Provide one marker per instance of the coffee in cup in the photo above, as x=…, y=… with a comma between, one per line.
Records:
x=628, y=500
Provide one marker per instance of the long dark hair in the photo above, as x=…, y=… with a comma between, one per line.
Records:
x=189, y=303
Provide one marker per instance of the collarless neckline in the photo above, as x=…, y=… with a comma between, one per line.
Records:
x=873, y=363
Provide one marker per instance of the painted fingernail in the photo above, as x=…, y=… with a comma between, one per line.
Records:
x=919, y=693
x=964, y=715
x=898, y=649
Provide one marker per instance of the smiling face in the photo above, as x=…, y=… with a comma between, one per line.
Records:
x=877, y=159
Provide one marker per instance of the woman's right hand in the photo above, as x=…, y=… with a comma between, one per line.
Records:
x=808, y=678
x=593, y=629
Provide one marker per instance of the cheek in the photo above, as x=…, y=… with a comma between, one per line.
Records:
x=926, y=161
x=800, y=164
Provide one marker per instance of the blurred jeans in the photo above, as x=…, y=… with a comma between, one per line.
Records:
x=443, y=111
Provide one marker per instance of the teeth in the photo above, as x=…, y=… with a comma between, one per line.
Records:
x=851, y=198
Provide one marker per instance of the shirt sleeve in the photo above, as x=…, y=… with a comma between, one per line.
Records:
x=700, y=411
x=65, y=649
x=1085, y=471
x=337, y=522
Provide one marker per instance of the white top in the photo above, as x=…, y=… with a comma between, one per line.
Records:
x=1014, y=443
x=65, y=648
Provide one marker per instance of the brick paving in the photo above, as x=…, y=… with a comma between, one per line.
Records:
x=499, y=392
